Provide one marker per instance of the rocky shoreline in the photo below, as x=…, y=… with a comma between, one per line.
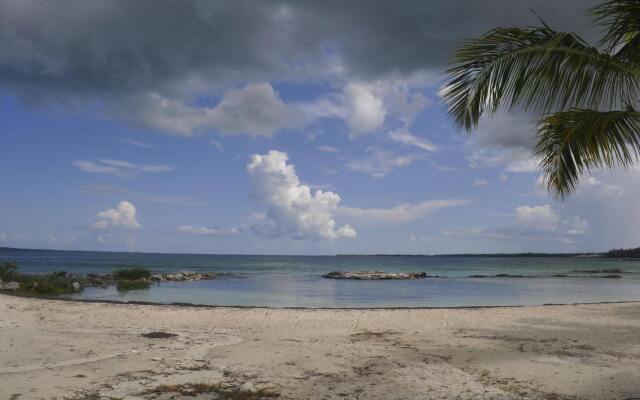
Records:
x=103, y=281
x=374, y=275
x=106, y=280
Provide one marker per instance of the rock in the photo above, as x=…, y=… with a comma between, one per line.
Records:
x=190, y=276
x=76, y=286
x=104, y=281
x=248, y=387
x=11, y=286
x=374, y=275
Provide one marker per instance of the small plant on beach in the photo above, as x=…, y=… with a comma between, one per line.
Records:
x=51, y=284
x=131, y=274
x=8, y=270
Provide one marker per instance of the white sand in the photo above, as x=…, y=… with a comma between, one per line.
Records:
x=53, y=349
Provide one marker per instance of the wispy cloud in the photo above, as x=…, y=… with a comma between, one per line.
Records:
x=137, y=143
x=216, y=144
x=404, y=137
x=541, y=223
x=140, y=196
x=204, y=231
x=380, y=162
x=401, y=213
x=328, y=149
x=480, y=183
x=118, y=168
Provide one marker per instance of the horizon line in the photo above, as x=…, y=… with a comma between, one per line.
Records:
x=523, y=253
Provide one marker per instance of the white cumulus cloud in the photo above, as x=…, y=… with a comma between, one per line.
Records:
x=123, y=216
x=293, y=210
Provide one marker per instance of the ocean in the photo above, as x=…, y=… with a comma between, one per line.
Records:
x=296, y=281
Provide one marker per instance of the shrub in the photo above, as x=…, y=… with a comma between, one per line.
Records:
x=126, y=285
x=8, y=271
x=51, y=284
x=131, y=274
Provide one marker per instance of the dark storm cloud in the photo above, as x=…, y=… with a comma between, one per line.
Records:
x=108, y=47
x=381, y=37
x=120, y=51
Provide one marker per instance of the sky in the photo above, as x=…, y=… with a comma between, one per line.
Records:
x=276, y=127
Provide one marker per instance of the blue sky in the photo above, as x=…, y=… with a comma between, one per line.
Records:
x=307, y=142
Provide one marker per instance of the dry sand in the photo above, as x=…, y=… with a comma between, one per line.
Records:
x=59, y=349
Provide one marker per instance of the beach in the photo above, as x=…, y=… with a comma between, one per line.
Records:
x=54, y=349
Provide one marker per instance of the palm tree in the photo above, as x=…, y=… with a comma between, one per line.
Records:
x=585, y=96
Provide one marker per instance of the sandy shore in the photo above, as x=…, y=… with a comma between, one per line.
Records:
x=56, y=349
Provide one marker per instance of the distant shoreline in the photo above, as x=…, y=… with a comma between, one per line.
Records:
x=525, y=254
x=557, y=255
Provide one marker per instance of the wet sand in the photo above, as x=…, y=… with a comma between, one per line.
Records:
x=61, y=349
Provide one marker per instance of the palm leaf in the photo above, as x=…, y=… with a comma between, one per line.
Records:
x=537, y=69
x=621, y=20
x=575, y=141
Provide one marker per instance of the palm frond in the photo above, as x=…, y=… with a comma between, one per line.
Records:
x=572, y=142
x=621, y=20
x=537, y=69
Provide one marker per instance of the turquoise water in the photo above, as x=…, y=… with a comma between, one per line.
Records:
x=295, y=281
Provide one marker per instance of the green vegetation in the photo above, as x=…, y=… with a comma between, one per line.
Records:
x=50, y=284
x=133, y=278
x=131, y=274
x=8, y=271
x=126, y=285
x=583, y=95
x=54, y=283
